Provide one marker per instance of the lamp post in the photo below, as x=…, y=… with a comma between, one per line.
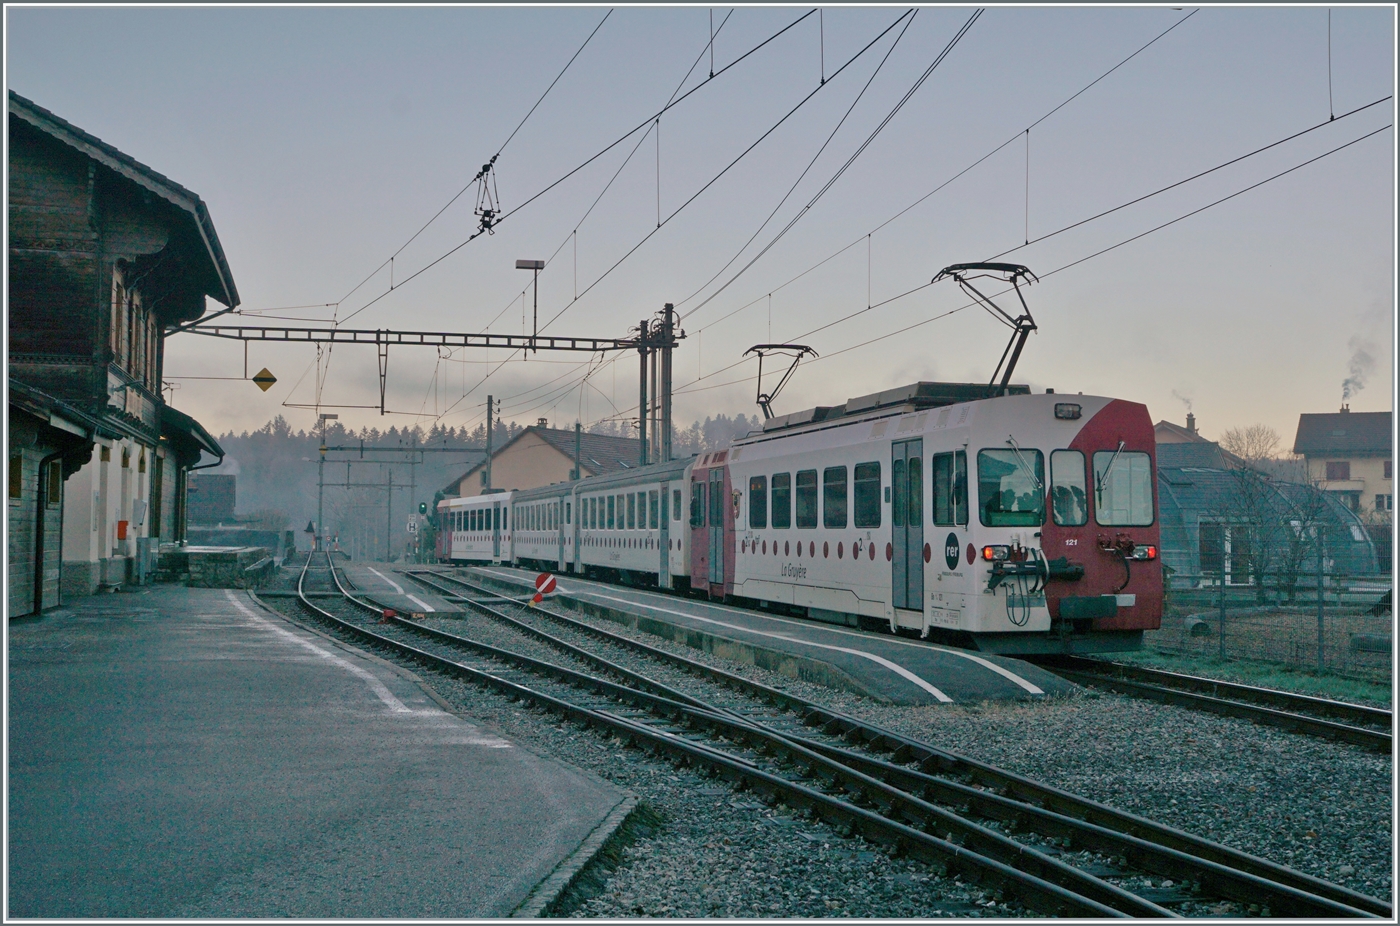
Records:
x=537, y=266
x=321, y=482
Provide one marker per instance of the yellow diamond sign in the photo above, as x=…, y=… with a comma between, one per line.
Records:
x=264, y=379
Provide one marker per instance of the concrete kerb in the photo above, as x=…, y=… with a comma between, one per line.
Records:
x=802, y=668
x=607, y=836
x=605, y=840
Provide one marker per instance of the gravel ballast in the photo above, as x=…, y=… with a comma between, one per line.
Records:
x=1319, y=807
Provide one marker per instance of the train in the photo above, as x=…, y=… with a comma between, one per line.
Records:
x=1012, y=523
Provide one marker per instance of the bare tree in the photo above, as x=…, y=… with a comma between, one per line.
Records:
x=1253, y=444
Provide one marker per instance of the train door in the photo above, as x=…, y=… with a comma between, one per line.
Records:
x=496, y=532
x=907, y=520
x=716, y=521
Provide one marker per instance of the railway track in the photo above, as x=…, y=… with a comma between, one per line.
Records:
x=924, y=786
x=1369, y=727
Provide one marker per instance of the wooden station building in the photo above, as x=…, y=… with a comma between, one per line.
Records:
x=106, y=257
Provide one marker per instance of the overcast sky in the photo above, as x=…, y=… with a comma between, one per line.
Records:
x=323, y=139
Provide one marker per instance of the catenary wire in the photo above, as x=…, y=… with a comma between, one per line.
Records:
x=984, y=157
x=1049, y=273
x=498, y=153
x=581, y=166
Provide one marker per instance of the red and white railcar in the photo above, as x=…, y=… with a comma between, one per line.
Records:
x=1020, y=524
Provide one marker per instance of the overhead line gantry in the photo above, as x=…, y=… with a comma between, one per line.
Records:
x=653, y=339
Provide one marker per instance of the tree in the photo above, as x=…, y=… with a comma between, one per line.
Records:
x=1253, y=444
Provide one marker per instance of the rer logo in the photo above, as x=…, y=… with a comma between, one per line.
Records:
x=951, y=551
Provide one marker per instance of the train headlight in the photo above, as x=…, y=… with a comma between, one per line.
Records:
x=1067, y=411
x=996, y=552
x=1145, y=552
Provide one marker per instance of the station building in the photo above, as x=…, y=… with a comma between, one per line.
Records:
x=540, y=456
x=107, y=257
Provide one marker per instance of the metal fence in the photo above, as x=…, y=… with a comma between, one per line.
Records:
x=1347, y=630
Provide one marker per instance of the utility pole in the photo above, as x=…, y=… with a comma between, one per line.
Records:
x=578, y=450
x=389, y=515
x=667, y=340
x=537, y=266
x=321, y=484
x=642, y=403
x=490, y=414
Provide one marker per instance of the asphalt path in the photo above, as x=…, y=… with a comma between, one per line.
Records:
x=184, y=753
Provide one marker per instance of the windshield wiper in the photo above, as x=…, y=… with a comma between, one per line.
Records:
x=1025, y=467
x=1103, y=477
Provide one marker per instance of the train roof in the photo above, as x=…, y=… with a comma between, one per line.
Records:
x=914, y=397
x=653, y=473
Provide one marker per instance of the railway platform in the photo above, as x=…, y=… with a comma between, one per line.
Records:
x=886, y=667
x=185, y=753
x=378, y=581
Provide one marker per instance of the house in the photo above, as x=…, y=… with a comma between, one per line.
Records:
x=540, y=456
x=1349, y=455
x=106, y=258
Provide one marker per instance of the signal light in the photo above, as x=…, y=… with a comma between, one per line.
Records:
x=422, y=507
x=997, y=552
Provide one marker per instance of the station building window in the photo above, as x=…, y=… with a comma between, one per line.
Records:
x=867, y=495
x=950, y=488
x=758, y=502
x=782, y=500
x=1338, y=470
x=16, y=475
x=834, y=497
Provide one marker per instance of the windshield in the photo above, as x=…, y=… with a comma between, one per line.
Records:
x=1122, y=488
x=1008, y=488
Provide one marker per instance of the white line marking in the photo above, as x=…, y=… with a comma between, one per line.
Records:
x=384, y=694
x=1028, y=685
x=399, y=588
x=879, y=660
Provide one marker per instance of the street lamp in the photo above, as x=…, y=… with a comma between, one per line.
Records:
x=321, y=482
x=537, y=266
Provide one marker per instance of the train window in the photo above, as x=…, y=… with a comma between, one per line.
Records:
x=1122, y=488
x=758, y=502
x=782, y=500
x=950, y=488
x=612, y=503
x=697, y=504
x=807, y=498
x=834, y=497
x=593, y=513
x=653, y=509
x=675, y=504
x=631, y=511
x=568, y=512
x=1069, y=500
x=867, y=495
x=496, y=518
x=665, y=513
x=1010, y=487
x=898, y=513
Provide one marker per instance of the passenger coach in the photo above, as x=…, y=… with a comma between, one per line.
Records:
x=1016, y=524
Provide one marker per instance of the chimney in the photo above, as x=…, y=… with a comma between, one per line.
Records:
x=542, y=423
x=1345, y=409
x=1191, y=422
